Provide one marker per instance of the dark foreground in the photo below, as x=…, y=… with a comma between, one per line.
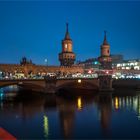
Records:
x=36, y=116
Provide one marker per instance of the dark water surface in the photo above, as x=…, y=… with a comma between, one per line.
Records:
x=44, y=117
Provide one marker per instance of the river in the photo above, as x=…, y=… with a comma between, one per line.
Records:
x=28, y=115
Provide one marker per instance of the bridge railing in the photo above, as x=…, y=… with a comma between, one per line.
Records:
x=75, y=76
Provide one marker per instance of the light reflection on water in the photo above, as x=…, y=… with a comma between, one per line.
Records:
x=46, y=126
x=1, y=94
x=128, y=102
x=79, y=103
x=46, y=116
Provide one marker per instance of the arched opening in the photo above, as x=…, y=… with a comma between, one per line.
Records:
x=8, y=92
x=77, y=88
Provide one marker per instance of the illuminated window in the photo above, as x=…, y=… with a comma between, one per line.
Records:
x=95, y=62
x=127, y=68
x=118, y=65
x=137, y=68
x=131, y=64
x=124, y=64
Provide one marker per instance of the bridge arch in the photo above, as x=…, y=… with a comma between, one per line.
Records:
x=74, y=84
x=26, y=84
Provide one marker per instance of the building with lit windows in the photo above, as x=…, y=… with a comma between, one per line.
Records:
x=132, y=64
x=117, y=63
x=90, y=63
x=95, y=64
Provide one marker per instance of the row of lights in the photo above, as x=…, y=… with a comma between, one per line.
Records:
x=127, y=64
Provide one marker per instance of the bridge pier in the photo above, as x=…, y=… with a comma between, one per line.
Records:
x=105, y=83
x=50, y=84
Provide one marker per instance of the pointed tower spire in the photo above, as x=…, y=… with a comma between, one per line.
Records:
x=67, y=36
x=105, y=40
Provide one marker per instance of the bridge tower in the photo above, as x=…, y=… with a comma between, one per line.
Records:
x=105, y=78
x=67, y=57
x=105, y=59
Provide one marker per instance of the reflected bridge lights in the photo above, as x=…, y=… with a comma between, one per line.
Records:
x=1, y=98
x=79, y=103
x=46, y=126
x=1, y=95
x=116, y=103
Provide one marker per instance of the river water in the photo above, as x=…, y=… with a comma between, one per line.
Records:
x=29, y=115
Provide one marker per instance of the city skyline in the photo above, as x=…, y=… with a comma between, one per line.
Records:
x=35, y=29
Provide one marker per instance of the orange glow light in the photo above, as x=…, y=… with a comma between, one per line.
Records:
x=116, y=103
x=79, y=103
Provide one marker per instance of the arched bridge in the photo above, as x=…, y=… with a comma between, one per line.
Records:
x=53, y=85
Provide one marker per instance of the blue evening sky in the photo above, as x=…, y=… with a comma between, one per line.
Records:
x=35, y=29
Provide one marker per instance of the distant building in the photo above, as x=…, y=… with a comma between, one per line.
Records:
x=90, y=63
x=132, y=64
x=116, y=58
x=119, y=63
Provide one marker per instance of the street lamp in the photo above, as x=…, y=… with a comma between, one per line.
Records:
x=46, y=61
